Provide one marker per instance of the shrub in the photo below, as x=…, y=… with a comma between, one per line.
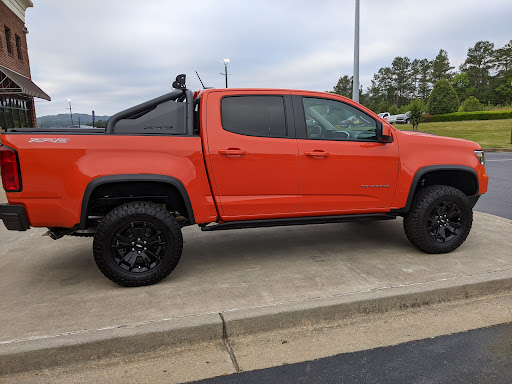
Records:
x=404, y=108
x=480, y=115
x=383, y=106
x=416, y=108
x=443, y=98
x=393, y=110
x=471, y=104
x=427, y=118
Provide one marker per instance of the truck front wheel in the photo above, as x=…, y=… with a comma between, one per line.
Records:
x=439, y=220
x=137, y=244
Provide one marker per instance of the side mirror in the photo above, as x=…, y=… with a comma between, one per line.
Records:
x=385, y=136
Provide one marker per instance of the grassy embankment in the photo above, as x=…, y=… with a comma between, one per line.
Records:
x=487, y=133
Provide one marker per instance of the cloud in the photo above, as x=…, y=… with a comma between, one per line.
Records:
x=110, y=55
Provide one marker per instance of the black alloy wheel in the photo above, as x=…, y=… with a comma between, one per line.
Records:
x=444, y=221
x=137, y=244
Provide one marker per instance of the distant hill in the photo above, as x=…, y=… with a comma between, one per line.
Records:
x=64, y=120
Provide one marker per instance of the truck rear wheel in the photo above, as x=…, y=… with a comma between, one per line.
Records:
x=439, y=220
x=137, y=244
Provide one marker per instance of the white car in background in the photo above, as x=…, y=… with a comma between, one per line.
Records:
x=402, y=118
x=384, y=115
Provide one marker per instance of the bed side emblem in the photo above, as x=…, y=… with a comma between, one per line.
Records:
x=48, y=140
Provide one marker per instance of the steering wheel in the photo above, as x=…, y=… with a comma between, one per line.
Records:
x=315, y=131
x=346, y=133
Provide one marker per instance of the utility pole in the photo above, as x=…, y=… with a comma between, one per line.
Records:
x=225, y=61
x=355, y=86
x=70, y=111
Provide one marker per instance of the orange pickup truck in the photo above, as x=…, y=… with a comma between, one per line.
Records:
x=234, y=158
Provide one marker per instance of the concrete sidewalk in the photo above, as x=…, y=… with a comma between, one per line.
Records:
x=57, y=308
x=9, y=239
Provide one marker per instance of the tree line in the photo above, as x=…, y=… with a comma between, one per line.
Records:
x=63, y=120
x=486, y=74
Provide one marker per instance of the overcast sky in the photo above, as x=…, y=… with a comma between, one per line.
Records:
x=109, y=55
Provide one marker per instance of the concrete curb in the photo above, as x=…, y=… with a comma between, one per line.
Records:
x=89, y=345
x=497, y=149
x=92, y=345
x=323, y=311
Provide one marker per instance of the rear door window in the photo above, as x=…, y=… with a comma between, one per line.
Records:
x=262, y=116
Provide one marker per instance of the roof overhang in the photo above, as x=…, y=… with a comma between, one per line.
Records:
x=12, y=83
x=18, y=7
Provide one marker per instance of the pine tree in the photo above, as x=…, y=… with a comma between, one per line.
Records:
x=344, y=86
x=441, y=68
x=478, y=64
x=424, y=88
x=502, y=61
x=402, y=81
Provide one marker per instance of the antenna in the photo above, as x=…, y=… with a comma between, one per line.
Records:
x=200, y=79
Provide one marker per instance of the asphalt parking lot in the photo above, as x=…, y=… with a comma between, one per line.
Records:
x=498, y=199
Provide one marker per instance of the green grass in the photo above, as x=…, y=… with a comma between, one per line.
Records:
x=487, y=133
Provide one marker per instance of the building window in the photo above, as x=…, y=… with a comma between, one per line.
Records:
x=14, y=113
x=18, y=47
x=8, y=40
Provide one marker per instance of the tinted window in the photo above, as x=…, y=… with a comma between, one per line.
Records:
x=167, y=118
x=333, y=120
x=254, y=115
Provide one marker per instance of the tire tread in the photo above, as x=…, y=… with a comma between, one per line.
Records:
x=413, y=220
x=121, y=212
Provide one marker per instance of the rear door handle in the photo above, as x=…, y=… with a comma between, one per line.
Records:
x=233, y=152
x=317, y=153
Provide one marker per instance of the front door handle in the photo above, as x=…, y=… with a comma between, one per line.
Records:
x=317, y=153
x=232, y=152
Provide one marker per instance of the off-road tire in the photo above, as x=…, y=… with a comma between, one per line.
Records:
x=438, y=211
x=143, y=264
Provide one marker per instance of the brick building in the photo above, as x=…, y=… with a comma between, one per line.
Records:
x=17, y=91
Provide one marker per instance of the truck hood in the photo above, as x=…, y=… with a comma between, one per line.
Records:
x=431, y=139
x=414, y=133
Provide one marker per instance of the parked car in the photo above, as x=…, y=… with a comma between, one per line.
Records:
x=230, y=159
x=402, y=118
x=384, y=115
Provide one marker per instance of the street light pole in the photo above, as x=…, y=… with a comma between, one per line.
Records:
x=355, y=86
x=225, y=61
x=70, y=111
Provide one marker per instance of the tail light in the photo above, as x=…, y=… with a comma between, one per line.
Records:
x=10, y=168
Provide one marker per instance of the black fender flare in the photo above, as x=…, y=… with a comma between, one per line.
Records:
x=93, y=184
x=421, y=172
